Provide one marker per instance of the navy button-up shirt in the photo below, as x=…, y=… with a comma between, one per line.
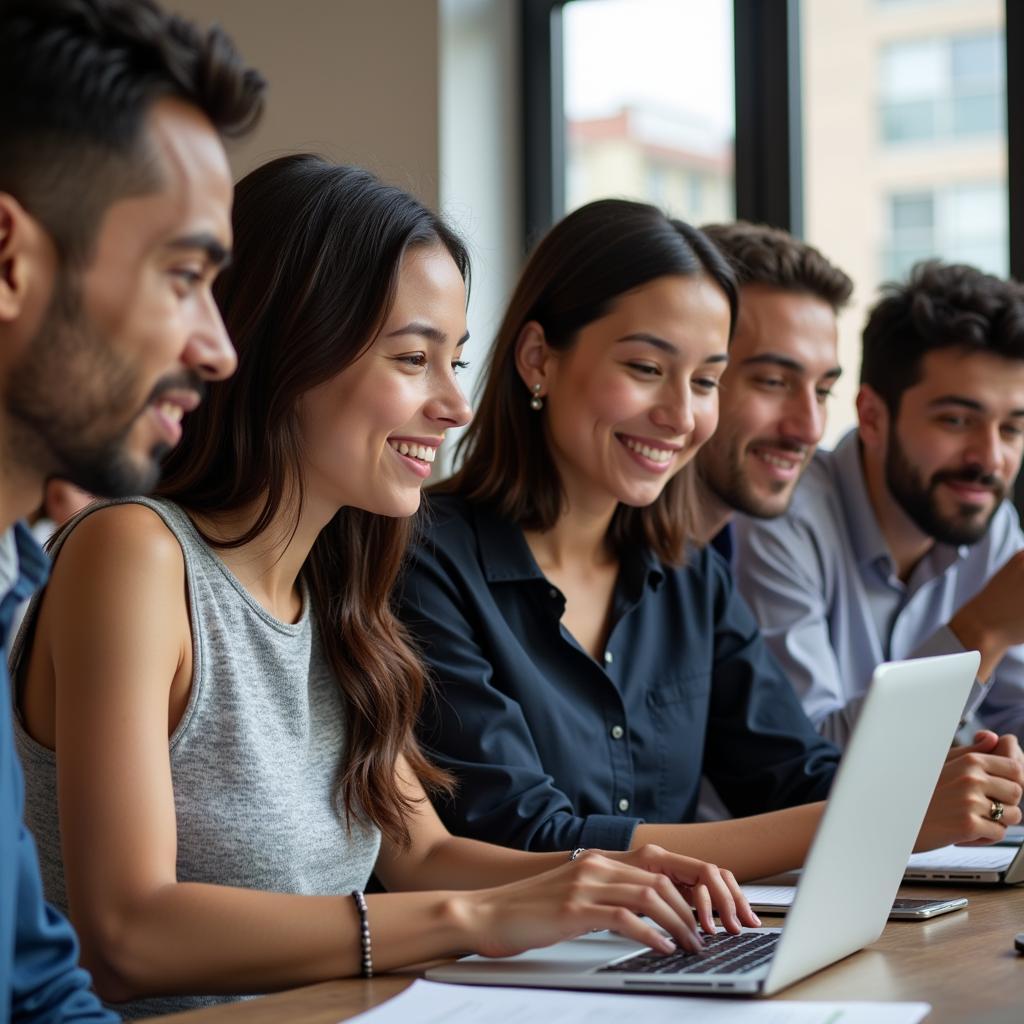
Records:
x=552, y=749
x=39, y=977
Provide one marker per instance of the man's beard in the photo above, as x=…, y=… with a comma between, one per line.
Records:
x=919, y=500
x=72, y=404
x=725, y=476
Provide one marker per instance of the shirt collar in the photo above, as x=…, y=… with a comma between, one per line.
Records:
x=869, y=544
x=32, y=567
x=23, y=570
x=507, y=558
x=504, y=553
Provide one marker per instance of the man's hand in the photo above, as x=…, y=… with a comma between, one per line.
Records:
x=972, y=780
x=992, y=620
x=988, y=742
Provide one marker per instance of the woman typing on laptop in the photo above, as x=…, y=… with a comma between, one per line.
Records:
x=216, y=686
x=592, y=666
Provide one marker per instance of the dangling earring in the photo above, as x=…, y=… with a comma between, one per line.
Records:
x=536, y=403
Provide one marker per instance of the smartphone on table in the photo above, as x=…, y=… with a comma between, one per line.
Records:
x=777, y=899
x=918, y=910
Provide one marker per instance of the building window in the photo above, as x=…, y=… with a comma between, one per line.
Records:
x=963, y=223
x=941, y=89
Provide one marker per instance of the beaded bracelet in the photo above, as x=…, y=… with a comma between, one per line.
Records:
x=575, y=853
x=364, y=933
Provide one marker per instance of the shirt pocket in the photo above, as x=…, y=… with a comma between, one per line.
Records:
x=678, y=705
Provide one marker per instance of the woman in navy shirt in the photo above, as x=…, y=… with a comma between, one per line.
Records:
x=592, y=666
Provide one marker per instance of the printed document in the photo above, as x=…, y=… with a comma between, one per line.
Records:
x=429, y=1002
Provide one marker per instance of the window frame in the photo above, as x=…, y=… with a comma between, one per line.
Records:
x=768, y=108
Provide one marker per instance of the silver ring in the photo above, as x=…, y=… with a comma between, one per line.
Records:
x=996, y=811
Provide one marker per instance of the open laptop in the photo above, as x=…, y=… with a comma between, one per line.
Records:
x=986, y=865
x=851, y=874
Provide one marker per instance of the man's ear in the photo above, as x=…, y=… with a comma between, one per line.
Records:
x=534, y=358
x=872, y=418
x=26, y=255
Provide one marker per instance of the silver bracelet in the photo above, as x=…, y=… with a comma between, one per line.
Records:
x=364, y=933
x=575, y=853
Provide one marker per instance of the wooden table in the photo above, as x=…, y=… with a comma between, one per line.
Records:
x=962, y=963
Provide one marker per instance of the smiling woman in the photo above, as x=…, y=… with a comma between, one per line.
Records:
x=230, y=694
x=554, y=594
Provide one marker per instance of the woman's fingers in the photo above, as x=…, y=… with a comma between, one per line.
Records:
x=645, y=900
x=701, y=899
x=725, y=894
x=649, y=893
x=744, y=913
x=624, y=922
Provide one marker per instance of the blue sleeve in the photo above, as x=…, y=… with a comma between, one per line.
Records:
x=479, y=733
x=40, y=980
x=47, y=985
x=762, y=751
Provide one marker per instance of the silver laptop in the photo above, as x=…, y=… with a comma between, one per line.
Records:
x=987, y=865
x=851, y=874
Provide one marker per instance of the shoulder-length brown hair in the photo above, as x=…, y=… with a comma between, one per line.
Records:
x=574, y=276
x=316, y=259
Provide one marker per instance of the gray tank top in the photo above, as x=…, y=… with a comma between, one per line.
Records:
x=254, y=759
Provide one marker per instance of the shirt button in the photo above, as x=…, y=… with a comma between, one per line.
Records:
x=617, y=732
x=552, y=592
x=608, y=657
x=623, y=805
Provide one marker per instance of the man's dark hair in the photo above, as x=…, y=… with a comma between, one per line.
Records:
x=765, y=255
x=941, y=305
x=77, y=79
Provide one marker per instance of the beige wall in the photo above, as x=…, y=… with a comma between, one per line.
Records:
x=358, y=81
x=423, y=92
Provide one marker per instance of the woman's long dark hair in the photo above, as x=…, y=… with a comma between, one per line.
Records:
x=583, y=264
x=316, y=260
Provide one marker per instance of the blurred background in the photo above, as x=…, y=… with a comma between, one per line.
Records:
x=875, y=129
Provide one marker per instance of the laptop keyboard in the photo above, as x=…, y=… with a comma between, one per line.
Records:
x=722, y=954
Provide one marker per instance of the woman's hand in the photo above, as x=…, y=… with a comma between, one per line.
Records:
x=705, y=886
x=605, y=891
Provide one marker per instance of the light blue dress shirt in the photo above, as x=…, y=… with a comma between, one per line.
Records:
x=825, y=591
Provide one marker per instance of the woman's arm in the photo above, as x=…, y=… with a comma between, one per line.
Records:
x=116, y=634
x=753, y=847
x=437, y=859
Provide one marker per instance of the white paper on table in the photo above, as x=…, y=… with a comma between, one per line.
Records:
x=775, y=895
x=992, y=858
x=430, y=1002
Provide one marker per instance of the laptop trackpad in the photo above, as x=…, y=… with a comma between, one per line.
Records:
x=573, y=957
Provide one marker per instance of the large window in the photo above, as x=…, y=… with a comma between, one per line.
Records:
x=649, y=104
